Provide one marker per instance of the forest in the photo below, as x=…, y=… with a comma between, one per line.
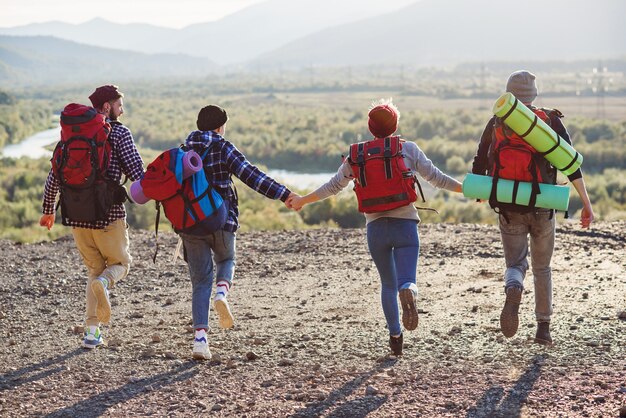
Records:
x=286, y=124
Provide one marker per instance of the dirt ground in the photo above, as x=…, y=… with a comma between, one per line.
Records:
x=310, y=338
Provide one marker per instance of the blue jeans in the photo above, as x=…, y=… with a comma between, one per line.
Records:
x=394, y=245
x=540, y=225
x=200, y=252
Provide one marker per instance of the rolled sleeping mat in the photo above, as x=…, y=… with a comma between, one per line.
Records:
x=551, y=197
x=537, y=133
x=192, y=163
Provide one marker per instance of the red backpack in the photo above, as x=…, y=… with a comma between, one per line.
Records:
x=80, y=162
x=189, y=200
x=381, y=179
x=512, y=158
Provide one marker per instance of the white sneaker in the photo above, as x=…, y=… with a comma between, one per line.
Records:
x=226, y=319
x=92, y=338
x=201, y=347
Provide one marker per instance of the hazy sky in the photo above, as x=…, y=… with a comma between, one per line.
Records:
x=168, y=13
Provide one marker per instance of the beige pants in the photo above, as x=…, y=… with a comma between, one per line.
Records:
x=105, y=253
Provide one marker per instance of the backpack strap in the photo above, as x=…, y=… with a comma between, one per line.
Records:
x=360, y=160
x=387, y=156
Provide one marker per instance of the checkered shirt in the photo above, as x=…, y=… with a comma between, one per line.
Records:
x=222, y=161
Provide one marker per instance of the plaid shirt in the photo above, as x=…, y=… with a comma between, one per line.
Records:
x=224, y=160
x=125, y=159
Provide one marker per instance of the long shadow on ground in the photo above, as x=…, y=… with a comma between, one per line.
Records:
x=98, y=404
x=41, y=370
x=492, y=405
x=359, y=407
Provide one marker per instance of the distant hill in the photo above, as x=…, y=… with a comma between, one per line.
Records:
x=446, y=32
x=42, y=59
x=238, y=37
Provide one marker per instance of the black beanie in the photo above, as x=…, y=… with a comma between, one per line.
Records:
x=211, y=117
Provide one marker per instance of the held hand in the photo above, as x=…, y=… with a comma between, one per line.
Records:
x=297, y=203
x=47, y=221
x=586, y=216
x=288, y=203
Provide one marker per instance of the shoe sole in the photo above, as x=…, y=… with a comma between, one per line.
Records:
x=201, y=356
x=410, y=317
x=103, y=308
x=91, y=346
x=509, y=317
x=224, y=315
x=543, y=342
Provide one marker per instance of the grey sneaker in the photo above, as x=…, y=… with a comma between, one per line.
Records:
x=509, y=318
x=409, y=309
x=103, y=308
x=543, y=333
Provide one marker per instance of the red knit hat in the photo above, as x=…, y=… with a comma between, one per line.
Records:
x=105, y=94
x=383, y=121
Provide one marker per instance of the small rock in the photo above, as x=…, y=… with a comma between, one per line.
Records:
x=78, y=329
x=622, y=411
x=267, y=383
x=251, y=355
x=169, y=301
x=622, y=316
x=156, y=338
x=371, y=390
x=148, y=352
x=285, y=362
x=170, y=355
x=598, y=399
x=585, y=295
x=2, y=315
x=216, y=407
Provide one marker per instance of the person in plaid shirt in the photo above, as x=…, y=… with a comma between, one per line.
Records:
x=103, y=244
x=222, y=161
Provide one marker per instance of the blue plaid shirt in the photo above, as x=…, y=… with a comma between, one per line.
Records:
x=224, y=160
x=125, y=159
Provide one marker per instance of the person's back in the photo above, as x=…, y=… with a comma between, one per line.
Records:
x=518, y=222
x=221, y=160
x=103, y=243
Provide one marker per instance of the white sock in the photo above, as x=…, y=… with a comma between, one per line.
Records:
x=222, y=290
x=200, y=334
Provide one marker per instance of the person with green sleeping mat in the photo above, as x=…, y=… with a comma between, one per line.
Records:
x=504, y=154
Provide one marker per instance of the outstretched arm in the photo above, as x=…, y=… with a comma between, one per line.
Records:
x=586, y=216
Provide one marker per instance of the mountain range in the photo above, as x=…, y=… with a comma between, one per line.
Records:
x=305, y=33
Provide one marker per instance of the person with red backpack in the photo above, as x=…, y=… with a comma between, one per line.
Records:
x=87, y=165
x=221, y=160
x=383, y=170
x=504, y=154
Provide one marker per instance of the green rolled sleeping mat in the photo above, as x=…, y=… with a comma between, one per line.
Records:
x=537, y=133
x=551, y=197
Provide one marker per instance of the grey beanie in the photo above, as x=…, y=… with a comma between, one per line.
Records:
x=522, y=85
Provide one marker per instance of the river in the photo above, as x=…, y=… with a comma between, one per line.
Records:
x=38, y=145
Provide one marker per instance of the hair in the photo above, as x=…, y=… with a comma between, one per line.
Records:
x=385, y=102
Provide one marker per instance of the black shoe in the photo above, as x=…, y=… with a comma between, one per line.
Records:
x=395, y=343
x=543, y=333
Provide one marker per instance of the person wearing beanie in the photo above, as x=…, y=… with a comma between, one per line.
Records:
x=517, y=222
x=103, y=245
x=392, y=235
x=221, y=161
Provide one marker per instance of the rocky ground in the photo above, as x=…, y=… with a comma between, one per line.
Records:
x=310, y=338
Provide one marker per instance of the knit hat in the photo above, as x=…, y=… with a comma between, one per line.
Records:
x=105, y=94
x=211, y=117
x=522, y=85
x=383, y=121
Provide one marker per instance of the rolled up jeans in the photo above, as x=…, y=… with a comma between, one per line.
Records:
x=540, y=225
x=200, y=252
